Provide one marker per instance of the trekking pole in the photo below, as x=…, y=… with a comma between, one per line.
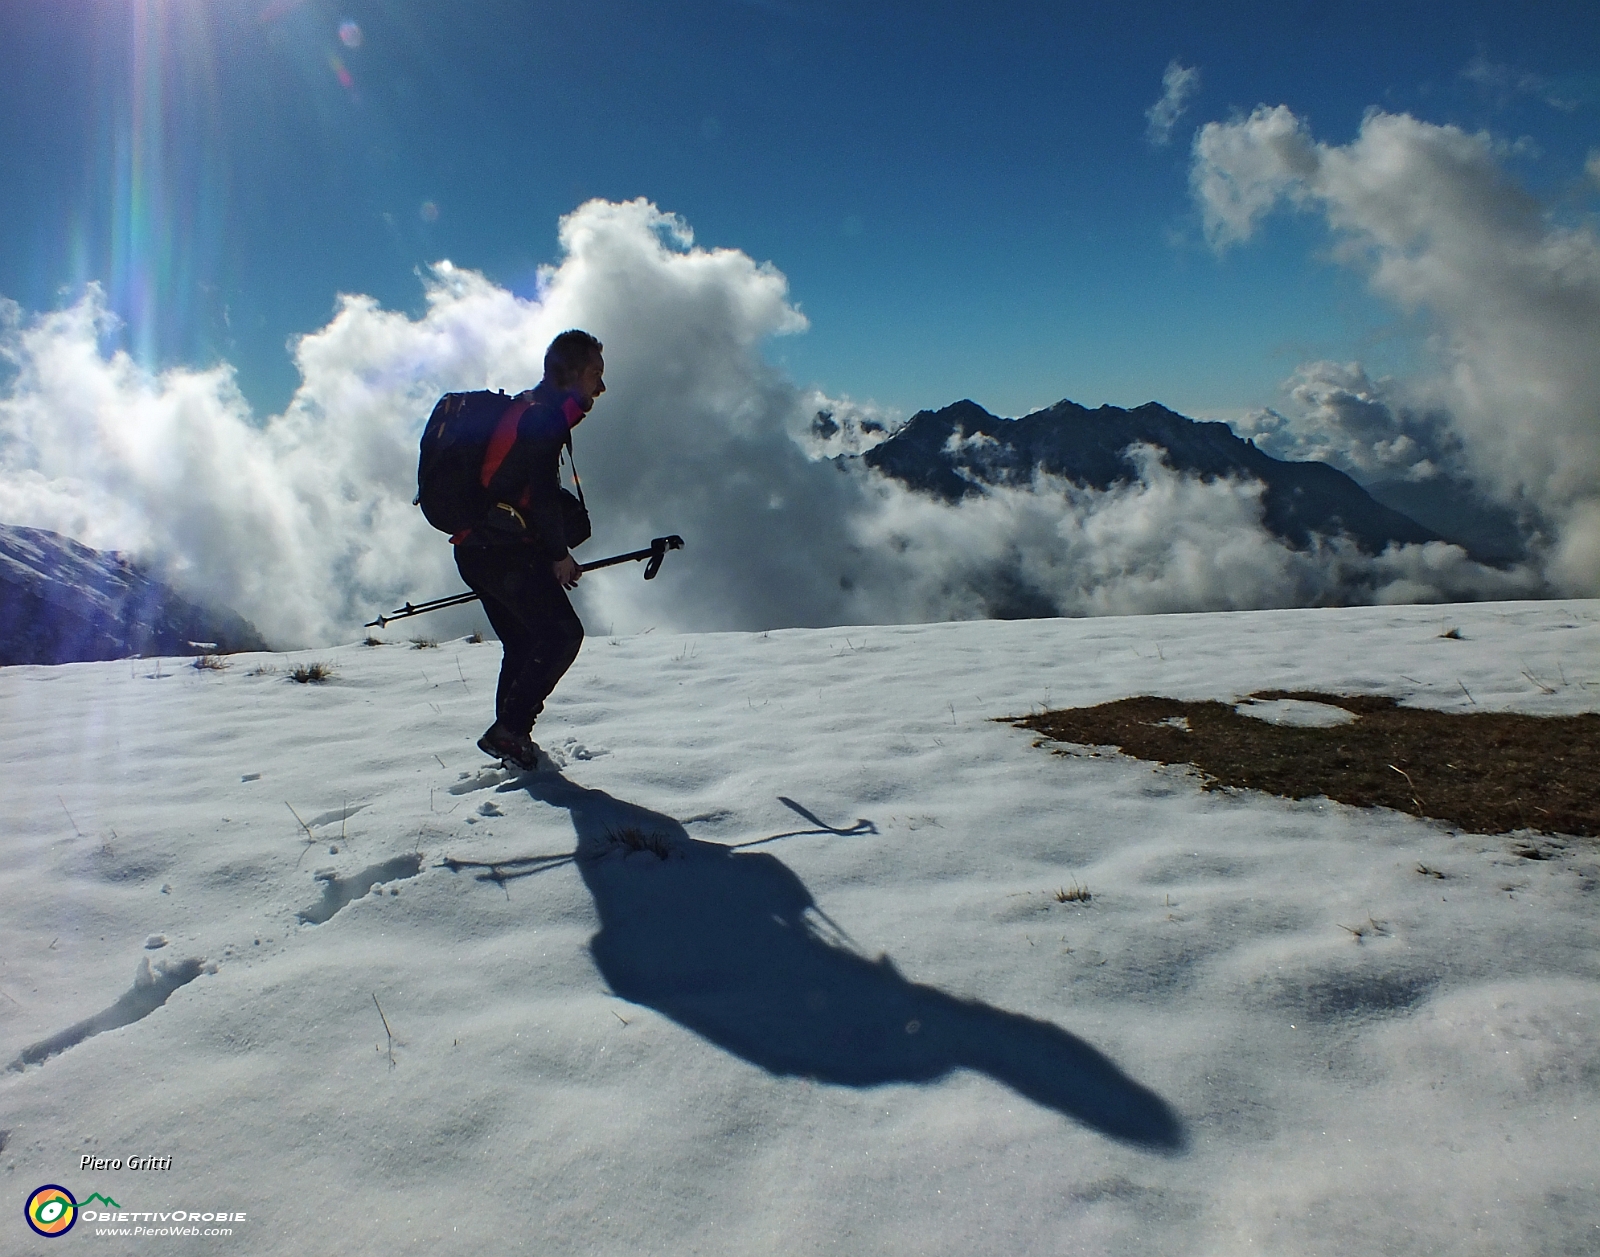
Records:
x=437, y=604
x=655, y=554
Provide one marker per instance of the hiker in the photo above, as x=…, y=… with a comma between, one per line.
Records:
x=517, y=559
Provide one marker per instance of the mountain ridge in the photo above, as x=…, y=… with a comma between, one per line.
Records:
x=956, y=451
x=64, y=602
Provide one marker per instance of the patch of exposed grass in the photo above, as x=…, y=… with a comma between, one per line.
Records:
x=423, y=643
x=1073, y=894
x=210, y=663
x=635, y=839
x=1487, y=772
x=311, y=672
x=374, y=641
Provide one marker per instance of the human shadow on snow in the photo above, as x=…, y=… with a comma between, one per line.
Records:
x=730, y=944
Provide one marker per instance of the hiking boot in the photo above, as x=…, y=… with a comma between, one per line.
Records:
x=519, y=749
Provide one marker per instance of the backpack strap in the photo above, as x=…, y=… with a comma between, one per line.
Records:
x=504, y=437
x=576, y=483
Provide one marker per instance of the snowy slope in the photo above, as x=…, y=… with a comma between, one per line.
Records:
x=870, y=1028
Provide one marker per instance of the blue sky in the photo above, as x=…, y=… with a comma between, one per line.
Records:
x=963, y=197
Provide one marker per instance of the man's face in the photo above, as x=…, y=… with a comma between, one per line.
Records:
x=590, y=383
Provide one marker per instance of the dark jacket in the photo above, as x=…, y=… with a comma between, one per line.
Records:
x=528, y=477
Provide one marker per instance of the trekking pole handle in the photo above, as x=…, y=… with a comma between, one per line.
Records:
x=658, y=552
x=655, y=553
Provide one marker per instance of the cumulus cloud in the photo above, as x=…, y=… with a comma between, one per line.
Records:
x=1178, y=84
x=1429, y=214
x=1370, y=429
x=303, y=522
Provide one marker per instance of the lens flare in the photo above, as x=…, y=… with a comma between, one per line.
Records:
x=350, y=34
x=152, y=231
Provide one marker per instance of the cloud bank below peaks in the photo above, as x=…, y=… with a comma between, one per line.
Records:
x=303, y=522
x=1432, y=218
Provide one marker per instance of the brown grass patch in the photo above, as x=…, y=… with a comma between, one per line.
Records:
x=1487, y=772
x=636, y=839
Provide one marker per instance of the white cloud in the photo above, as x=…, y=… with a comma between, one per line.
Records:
x=1370, y=429
x=1163, y=542
x=1503, y=82
x=303, y=521
x=1179, y=84
x=1242, y=169
x=1429, y=214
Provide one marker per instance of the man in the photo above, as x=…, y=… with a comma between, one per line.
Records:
x=517, y=560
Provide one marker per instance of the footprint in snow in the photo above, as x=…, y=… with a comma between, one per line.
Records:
x=151, y=987
x=575, y=750
x=337, y=892
x=483, y=779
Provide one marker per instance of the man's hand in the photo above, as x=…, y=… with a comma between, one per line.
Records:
x=567, y=571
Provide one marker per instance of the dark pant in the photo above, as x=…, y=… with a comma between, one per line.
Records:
x=535, y=623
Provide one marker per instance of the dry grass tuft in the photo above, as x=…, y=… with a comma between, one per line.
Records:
x=1487, y=772
x=311, y=672
x=374, y=641
x=1367, y=929
x=635, y=839
x=210, y=663
x=1073, y=894
x=423, y=643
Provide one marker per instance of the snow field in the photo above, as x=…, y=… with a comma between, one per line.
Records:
x=627, y=1055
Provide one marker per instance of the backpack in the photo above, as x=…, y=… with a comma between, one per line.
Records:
x=455, y=444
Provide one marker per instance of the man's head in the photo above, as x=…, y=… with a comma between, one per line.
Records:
x=574, y=362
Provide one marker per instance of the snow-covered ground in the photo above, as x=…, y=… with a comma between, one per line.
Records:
x=848, y=1013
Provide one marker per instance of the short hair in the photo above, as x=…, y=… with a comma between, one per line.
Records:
x=569, y=354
